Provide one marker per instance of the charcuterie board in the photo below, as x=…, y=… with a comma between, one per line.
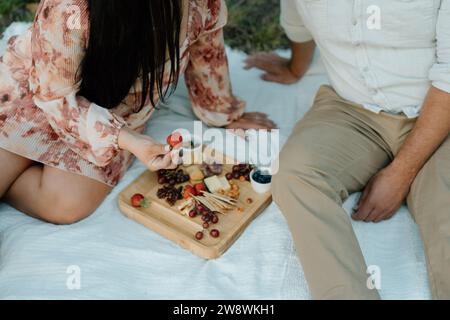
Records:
x=171, y=223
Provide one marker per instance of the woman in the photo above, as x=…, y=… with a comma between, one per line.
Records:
x=77, y=89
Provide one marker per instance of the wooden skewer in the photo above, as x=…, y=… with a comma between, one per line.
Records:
x=230, y=201
x=220, y=203
x=208, y=204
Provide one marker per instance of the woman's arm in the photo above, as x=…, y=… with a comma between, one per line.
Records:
x=208, y=80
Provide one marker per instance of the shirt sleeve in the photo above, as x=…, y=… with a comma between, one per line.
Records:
x=292, y=22
x=207, y=75
x=59, y=36
x=440, y=71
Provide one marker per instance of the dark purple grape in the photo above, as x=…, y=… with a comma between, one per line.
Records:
x=162, y=180
x=215, y=233
x=229, y=176
x=160, y=194
x=192, y=213
x=199, y=235
x=215, y=219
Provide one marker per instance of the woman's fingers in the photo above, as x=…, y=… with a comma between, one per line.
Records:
x=160, y=149
x=161, y=162
x=252, y=124
x=260, y=119
x=255, y=115
x=177, y=157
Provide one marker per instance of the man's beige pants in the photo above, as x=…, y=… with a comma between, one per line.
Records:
x=333, y=152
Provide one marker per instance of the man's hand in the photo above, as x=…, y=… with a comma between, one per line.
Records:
x=388, y=189
x=282, y=70
x=276, y=68
x=383, y=196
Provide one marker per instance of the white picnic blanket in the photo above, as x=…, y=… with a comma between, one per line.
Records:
x=111, y=257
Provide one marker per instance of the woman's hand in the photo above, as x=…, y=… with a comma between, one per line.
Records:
x=154, y=155
x=253, y=120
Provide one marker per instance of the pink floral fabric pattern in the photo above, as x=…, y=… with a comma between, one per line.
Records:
x=42, y=117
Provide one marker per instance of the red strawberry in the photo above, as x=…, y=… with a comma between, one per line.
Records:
x=139, y=201
x=188, y=190
x=174, y=139
x=199, y=187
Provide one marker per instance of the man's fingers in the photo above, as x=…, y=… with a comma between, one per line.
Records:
x=364, y=209
x=271, y=77
x=363, y=197
x=386, y=216
x=263, y=64
x=374, y=215
x=263, y=56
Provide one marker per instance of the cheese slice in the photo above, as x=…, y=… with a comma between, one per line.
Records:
x=225, y=184
x=213, y=184
x=216, y=184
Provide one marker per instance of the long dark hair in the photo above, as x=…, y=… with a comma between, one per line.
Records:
x=128, y=40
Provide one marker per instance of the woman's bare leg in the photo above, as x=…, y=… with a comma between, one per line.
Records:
x=11, y=167
x=56, y=196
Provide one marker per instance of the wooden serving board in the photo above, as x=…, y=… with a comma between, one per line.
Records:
x=171, y=224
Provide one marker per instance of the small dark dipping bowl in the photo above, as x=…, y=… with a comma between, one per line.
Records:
x=262, y=177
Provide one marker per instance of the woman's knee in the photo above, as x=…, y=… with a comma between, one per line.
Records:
x=63, y=206
x=63, y=210
x=70, y=198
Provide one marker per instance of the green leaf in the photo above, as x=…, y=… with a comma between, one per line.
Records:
x=144, y=203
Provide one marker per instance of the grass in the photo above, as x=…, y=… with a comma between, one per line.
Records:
x=253, y=25
x=14, y=10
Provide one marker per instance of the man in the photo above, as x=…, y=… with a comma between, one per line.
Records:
x=383, y=127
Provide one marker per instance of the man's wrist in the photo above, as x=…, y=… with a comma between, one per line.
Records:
x=301, y=57
x=296, y=70
x=404, y=171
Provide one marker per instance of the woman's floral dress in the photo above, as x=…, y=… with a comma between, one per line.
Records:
x=42, y=117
